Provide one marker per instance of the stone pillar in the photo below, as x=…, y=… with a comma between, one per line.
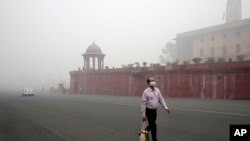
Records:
x=102, y=64
x=99, y=63
x=84, y=63
x=87, y=64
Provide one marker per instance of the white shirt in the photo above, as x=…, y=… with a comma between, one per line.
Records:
x=151, y=99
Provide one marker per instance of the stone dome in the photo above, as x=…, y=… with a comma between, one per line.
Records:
x=93, y=49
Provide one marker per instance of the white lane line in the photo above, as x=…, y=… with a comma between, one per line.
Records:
x=214, y=112
x=193, y=110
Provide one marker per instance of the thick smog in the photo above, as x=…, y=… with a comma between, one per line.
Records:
x=124, y=70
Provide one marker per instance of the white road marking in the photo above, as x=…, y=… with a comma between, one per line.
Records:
x=194, y=110
x=214, y=112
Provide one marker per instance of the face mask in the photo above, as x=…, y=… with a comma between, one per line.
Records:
x=153, y=83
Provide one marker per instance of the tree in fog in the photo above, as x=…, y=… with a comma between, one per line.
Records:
x=124, y=66
x=241, y=57
x=168, y=53
x=137, y=64
x=196, y=60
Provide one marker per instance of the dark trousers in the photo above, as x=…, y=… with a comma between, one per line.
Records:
x=151, y=115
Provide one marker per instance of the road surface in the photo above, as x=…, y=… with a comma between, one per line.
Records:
x=58, y=117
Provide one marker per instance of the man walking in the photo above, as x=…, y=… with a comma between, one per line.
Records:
x=151, y=97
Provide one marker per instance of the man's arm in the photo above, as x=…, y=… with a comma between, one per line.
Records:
x=163, y=103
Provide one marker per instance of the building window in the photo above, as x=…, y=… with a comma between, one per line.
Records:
x=201, y=52
x=238, y=34
x=224, y=50
x=237, y=48
x=212, y=51
x=224, y=36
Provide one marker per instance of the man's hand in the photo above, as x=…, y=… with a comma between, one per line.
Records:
x=167, y=110
x=144, y=118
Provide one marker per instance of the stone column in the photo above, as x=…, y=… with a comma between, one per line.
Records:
x=99, y=63
x=84, y=63
x=87, y=64
x=102, y=64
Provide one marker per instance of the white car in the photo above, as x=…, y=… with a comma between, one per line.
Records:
x=28, y=92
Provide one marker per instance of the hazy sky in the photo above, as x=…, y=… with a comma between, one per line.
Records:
x=42, y=40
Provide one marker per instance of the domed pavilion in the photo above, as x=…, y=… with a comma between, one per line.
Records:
x=93, y=53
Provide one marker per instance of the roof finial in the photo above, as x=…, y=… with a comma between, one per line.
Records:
x=93, y=42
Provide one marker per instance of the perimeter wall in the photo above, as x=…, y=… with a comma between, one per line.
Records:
x=228, y=80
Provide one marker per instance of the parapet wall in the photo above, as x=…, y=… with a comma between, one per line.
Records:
x=229, y=80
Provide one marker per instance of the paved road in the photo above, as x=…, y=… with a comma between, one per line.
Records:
x=56, y=117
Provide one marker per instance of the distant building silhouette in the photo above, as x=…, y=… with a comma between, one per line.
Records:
x=225, y=40
x=233, y=10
